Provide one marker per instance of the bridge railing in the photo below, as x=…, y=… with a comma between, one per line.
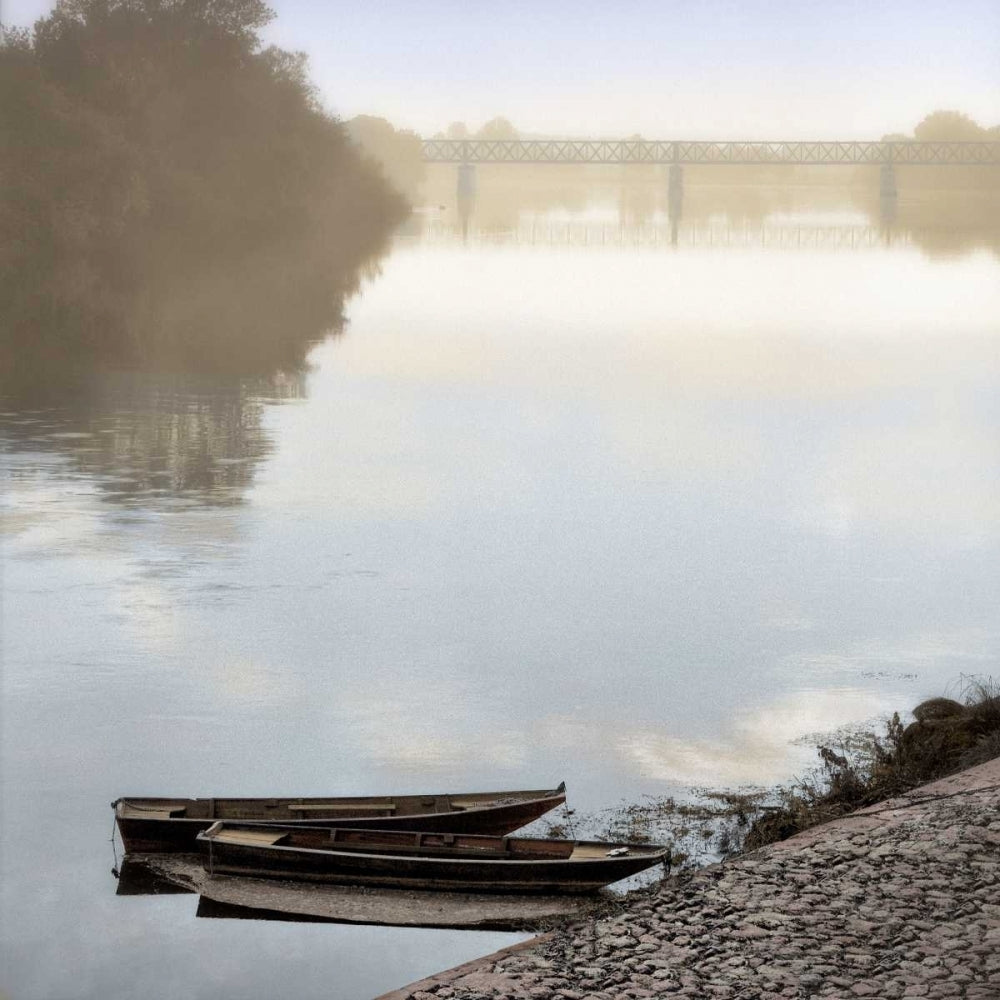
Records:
x=624, y=151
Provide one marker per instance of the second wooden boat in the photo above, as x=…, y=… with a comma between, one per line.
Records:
x=158, y=825
x=414, y=860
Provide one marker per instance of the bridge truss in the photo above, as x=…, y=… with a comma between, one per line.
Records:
x=624, y=151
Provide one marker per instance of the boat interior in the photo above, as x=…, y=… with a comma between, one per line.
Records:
x=452, y=845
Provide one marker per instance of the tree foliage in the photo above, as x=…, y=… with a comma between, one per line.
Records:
x=398, y=152
x=949, y=126
x=147, y=136
x=497, y=128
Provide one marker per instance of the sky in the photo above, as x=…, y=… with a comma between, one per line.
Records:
x=665, y=69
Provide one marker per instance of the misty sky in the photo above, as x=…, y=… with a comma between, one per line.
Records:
x=665, y=69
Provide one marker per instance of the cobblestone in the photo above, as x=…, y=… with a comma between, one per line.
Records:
x=899, y=900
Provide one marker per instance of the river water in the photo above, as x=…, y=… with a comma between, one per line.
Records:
x=573, y=496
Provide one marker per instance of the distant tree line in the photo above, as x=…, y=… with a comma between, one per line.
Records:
x=495, y=128
x=398, y=153
x=148, y=138
x=953, y=126
x=947, y=126
x=938, y=126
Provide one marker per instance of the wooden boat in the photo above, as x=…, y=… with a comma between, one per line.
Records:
x=454, y=862
x=157, y=825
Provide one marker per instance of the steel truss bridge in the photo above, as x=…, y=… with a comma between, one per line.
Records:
x=626, y=151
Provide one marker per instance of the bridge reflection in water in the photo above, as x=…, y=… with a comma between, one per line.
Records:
x=668, y=233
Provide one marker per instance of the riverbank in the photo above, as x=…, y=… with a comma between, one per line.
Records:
x=898, y=900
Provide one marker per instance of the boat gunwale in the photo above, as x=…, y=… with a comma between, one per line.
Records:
x=527, y=795
x=659, y=853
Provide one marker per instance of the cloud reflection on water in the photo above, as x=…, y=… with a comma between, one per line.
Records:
x=758, y=747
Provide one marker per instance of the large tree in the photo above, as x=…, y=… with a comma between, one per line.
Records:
x=145, y=137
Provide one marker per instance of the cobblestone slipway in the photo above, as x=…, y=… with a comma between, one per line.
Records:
x=898, y=900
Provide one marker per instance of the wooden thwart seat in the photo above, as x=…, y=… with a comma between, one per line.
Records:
x=348, y=840
x=590, y=851
x=356, y=808
x=267, y=837
x=130, y=811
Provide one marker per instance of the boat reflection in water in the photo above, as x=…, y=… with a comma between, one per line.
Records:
x=259, y=899
x=138, y=878
x=214, y=910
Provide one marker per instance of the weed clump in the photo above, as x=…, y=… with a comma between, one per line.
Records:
x=945, y=736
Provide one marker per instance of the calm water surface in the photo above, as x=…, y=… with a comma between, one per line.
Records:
x=563, y=502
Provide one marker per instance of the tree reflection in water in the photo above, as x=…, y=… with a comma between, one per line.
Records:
x=176, y=418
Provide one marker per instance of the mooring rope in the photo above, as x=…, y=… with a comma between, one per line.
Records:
x=569, y=819
x=115, y=870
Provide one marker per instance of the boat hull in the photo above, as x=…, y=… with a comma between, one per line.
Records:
x=462, y=874
x=155, y=833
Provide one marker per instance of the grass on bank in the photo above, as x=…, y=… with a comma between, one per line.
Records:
x=861, y=769
x=946, y=736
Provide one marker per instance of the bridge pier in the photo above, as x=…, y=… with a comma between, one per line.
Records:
x=887, y=194
x=466, y=181
x=675, y=184
x=887, y=181
x=675, y=199
x=466, y=195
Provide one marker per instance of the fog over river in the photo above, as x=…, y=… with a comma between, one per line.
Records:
x=570, y=496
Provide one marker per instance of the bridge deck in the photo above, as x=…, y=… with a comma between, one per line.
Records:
x=626, y=151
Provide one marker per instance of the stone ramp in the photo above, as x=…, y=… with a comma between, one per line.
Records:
x=900, y=900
